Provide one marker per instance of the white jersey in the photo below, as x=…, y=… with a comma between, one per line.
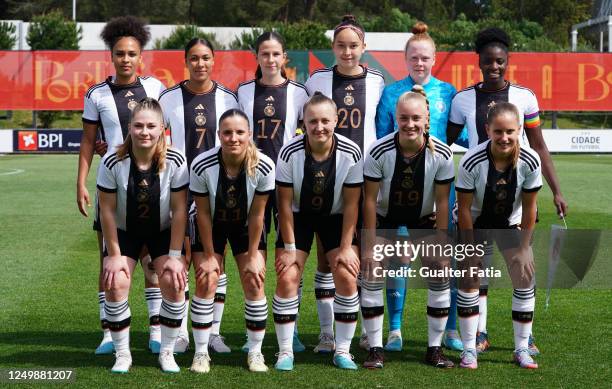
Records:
x=110, y=105
x=193, y=119
x=230, y=198
x=143, y=198
x=317, y=185
x=356, y=98
x=470, y=106
x=497, y=201
x=273, y=111
x=407, y=188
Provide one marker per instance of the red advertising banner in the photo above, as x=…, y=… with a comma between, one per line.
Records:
x=57, y=80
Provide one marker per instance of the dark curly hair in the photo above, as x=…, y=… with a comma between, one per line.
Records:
x=492, y=36
x=124, y=26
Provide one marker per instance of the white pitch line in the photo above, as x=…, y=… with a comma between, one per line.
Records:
x=12, y=172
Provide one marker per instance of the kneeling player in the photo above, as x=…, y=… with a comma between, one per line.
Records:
x=319, y=178
x=231, y=184
x=497, y=186
x=141, y=185
x=407, y=173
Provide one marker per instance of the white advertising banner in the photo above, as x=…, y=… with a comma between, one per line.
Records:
x=578, y=141
x=6, y=141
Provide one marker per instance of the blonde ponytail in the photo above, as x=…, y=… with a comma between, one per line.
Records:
x=251, y=160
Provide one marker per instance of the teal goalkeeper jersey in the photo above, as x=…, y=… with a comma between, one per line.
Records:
x=439, y=94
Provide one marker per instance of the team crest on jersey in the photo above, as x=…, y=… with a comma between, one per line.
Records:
x=131, y=104
x=491, y=104
x=349, y=99
x=501, y=195
x=440, y=106
x=200, y=119
x=407, y=181
x=230, y=201
x=269, y=110
x=319, y=183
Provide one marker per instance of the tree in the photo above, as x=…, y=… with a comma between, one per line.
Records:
x=183, y=34
x=303, y=35
x=7, y=36
x=52, y=31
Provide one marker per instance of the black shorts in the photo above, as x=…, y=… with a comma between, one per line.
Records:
x=329, y=229
x=131, y=245
x=507, y=238
x=237, y=235
x=387, y=228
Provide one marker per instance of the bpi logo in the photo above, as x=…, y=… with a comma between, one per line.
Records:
x=28, y=140
x=39, y=141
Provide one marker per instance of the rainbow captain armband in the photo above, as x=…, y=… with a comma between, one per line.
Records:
x=532, y=120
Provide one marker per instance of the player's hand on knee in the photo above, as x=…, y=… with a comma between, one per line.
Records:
x=522, y=269
x=207, y=266
x=176, y=269
x=83, y=200
x=257, y=270
x=348, y=258
x=101, y=147
x=112, y=267
x=284, y=261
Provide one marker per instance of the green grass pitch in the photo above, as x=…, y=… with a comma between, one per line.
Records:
x=49, y=307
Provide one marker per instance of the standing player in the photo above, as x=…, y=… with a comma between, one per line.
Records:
x=407, y=174
x=107, y=107
x=469, y=108
x=273, y=104
x=497, y=185
x=319, y=177
x=191, y=109
x=356, y=90
x=143, y=203
x=231, y=184
x=420, y=55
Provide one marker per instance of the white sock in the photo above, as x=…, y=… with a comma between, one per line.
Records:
x=438, y=305
x=119, y=318
x=170, y=317
x=523, y=304
x=372, y=311
x=345, y=315
x=285, y=312
x=482, y=309
x=103, y=322
x=219, y=304
x=154, y=299
x=184, y=332
x=201, y=322
x=467, y=310
x=325, y=290
x=255, y=314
